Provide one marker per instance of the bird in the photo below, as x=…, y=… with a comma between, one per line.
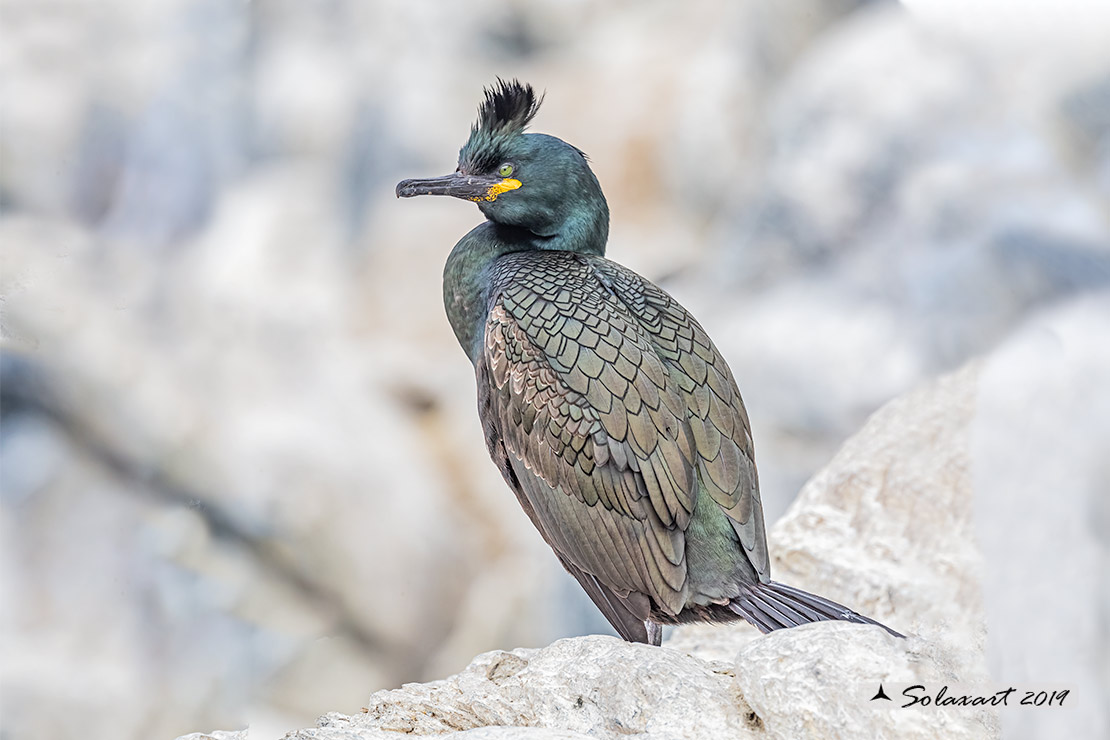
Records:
x=604, y=404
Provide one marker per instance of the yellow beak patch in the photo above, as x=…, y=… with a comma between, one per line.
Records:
x=502, y=187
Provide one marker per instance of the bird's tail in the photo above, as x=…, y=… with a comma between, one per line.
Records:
x=774, y=606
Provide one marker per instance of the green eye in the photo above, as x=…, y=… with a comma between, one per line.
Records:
x=505, y=170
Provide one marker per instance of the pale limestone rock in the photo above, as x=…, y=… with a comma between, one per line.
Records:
x=812, y=682
x=886, y=526
x=816, y=681
x=593, y=685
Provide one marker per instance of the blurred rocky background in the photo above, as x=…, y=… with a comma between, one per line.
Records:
x=242, y=475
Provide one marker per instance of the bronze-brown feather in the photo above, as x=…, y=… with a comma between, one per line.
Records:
x=600, y=410
x=717, y=417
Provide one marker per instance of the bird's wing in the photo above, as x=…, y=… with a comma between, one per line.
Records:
x=718, y=419
x=592, y=425
x=627, y=614
x=629, y=621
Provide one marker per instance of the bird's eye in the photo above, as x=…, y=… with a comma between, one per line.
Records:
x=505, y=170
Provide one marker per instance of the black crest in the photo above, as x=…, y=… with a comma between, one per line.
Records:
x=507, y=109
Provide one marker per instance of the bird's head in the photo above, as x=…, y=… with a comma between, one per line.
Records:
x=534, y=182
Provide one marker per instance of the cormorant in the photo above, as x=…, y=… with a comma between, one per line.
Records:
x=608, y=410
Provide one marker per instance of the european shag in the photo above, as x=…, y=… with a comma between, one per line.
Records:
x=608, y=410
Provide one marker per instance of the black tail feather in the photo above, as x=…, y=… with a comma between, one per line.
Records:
x=803, y=613
x=772, y=606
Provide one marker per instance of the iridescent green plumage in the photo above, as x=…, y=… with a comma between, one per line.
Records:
x=610, y=413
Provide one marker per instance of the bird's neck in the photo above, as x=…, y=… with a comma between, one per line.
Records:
x=466, y=280
x=466, y=276
x=586, y=231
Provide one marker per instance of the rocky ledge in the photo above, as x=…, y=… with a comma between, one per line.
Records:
x=885, y=528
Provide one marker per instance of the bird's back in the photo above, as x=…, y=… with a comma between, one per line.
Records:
x=621, y=429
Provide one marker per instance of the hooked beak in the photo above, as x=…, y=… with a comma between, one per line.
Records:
x=458, y=185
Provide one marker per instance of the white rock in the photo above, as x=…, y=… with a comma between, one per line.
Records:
x=594, y=685
x=812, y=682
x=817, y=681
x=886, y=527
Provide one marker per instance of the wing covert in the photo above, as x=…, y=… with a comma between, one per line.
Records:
x=593, y=425
x=718, y=420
